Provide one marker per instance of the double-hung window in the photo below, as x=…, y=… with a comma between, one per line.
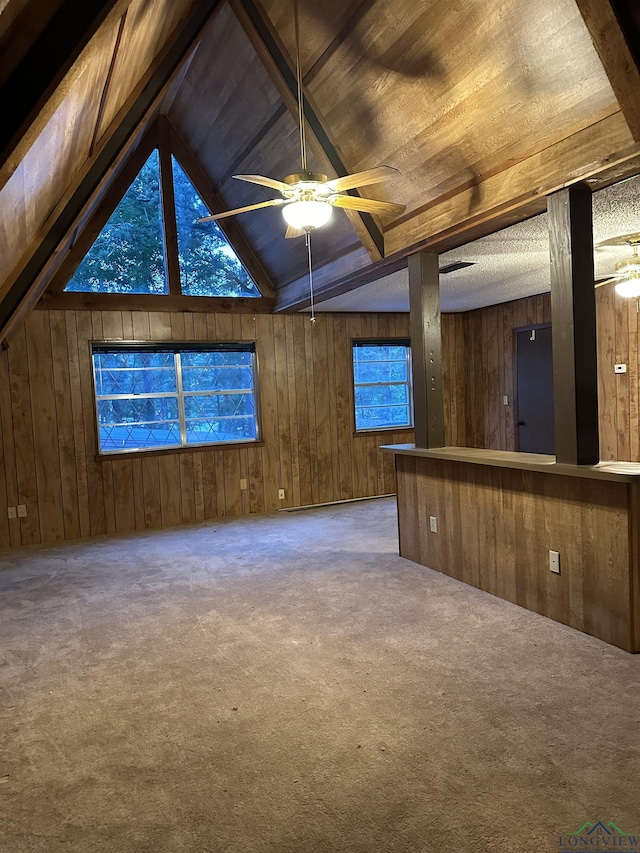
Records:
x=161, y=396
x=382, y=384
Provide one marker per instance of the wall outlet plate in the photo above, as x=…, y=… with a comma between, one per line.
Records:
x=554, y=562
x=12, y=512
x=22, y=510
x=433, y=524
x=620, y=368
x=281, y=494
x=243, y=484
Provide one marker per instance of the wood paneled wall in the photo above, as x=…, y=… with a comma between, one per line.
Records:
x=495, y=526
x=479, y=360
x=478, y=351
x=48, y=457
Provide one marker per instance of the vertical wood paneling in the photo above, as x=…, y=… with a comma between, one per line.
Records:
x=510, y=520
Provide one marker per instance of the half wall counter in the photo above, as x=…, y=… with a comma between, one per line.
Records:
x=499, y=514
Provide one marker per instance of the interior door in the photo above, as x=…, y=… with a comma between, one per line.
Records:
x=534, y=377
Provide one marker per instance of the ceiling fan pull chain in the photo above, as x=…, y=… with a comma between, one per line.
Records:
x=308, y=242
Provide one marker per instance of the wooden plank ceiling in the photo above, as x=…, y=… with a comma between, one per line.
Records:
x=483, y=109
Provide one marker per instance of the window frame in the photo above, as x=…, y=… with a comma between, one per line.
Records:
x=383, y=341
x=176, y=347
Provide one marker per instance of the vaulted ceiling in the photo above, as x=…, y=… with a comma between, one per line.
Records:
x=483, y=108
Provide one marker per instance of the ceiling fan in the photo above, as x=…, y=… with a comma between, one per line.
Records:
x=627, y=274
x=307, y=198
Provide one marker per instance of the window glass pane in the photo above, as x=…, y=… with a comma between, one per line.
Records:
x=382, y=386
x=382, y=395
x=167, y=399
x=208, y=264
x=216, y=378
x=132, y=424
x=225, y=429
x=217, y=405
x=380, y=371
x=128, y=254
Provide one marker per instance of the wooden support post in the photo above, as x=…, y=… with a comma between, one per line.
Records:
x=573, y=316
x=426, y=349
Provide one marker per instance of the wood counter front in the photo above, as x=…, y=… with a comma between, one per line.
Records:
x=499, y=514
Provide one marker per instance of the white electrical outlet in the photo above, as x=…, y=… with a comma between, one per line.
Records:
x=243, y=484
x=433, y=524
x=22, y=510
x=620, y=368
x=554, y=562
x=505, y=400
x=281, y=494
x=11, y=512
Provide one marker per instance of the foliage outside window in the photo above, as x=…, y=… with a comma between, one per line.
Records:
x=208, y=264
x=159, y=397
x=382, y=384
x=129, y=254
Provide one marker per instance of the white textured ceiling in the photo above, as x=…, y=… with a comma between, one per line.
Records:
x=509, y=264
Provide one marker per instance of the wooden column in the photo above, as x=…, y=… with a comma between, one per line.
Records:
x=573, y=316
x=426, y=349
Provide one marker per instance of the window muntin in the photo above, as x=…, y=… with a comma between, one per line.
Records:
x=153, y=398
x=382, y=384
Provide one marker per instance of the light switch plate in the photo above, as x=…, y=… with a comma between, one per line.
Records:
x=554, y=562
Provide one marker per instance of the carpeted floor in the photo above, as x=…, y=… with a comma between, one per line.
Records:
x=288, y=683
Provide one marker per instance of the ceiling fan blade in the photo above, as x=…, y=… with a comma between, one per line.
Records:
x=605, y=281
x=367, y=205
x=362, y=179
x=292, y=232
x=215, y=216
x=264, y=182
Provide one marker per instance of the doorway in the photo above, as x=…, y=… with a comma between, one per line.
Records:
x=534, y=385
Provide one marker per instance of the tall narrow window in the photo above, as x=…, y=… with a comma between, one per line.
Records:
x=151, y=397
x=208, y=264
x=382, y=384
x=128, y=254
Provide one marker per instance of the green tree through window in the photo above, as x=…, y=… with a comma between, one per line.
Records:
x=208, y=264
x=382, y=384
x=128, y=255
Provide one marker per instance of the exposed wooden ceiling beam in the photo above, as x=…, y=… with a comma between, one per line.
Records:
x=615, y=38
x=27, y=88
x=146, y=99
x=281, y=70
x=295, y=296
x=600, y=154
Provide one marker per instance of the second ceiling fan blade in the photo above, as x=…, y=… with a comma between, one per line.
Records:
x=368, y=205
x=362, y=179
x=215, y=216
x=264, y=182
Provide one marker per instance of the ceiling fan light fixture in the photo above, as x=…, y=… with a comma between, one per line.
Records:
x=305, y=215
x=629, y=287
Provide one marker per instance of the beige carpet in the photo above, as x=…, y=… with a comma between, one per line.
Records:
x=288, y=683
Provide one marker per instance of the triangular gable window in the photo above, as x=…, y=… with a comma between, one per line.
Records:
x=208, y=264
x=129, y=254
